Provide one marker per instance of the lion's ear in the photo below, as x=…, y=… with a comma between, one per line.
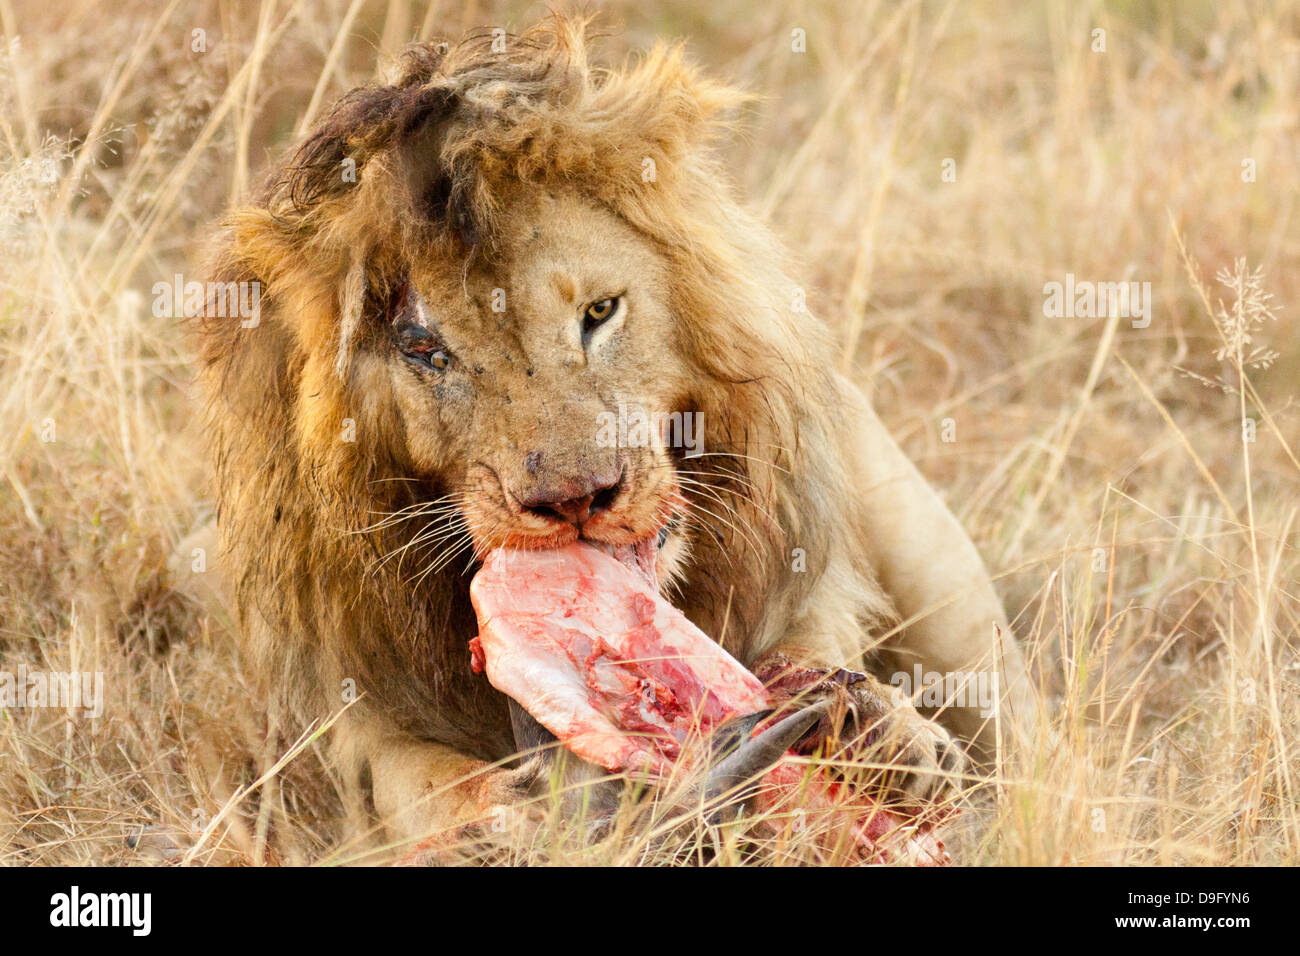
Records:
x=670, y=100
x=362, y=125
x=436, y=192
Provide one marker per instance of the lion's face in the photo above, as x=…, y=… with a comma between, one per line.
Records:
x=535, y=386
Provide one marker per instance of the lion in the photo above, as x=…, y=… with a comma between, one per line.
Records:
x=461, y=271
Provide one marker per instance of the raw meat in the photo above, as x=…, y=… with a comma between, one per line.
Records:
x=586, y=645
x=879, y=834
x=589, y=648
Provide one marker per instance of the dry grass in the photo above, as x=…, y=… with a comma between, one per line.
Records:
x=1146, y=551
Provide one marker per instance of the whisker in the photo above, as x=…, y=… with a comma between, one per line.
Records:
x=694, y=506
x=445, y=558
x=430, y=536
x=729, y=454
x=717, y=495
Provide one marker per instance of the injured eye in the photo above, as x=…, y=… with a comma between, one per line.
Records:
x=439, y=360
x=598, y=313
x=421, y=347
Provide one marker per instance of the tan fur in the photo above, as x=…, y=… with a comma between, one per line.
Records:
x=522, y=172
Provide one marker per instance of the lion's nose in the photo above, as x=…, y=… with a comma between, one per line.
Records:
x=576, y=501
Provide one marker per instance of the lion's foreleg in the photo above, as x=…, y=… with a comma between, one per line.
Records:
x=430, y=794
x=954, y=629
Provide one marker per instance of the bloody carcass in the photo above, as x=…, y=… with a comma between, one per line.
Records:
x=584, y=643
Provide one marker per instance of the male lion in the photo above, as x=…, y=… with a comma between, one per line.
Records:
x=460, y=272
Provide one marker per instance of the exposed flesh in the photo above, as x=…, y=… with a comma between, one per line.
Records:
x=584, y=643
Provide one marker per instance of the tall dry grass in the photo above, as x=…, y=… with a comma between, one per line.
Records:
x=1146, y=549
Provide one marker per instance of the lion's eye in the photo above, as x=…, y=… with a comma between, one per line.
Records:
x=421, y=348
x=598, y=313
x=413, y=329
